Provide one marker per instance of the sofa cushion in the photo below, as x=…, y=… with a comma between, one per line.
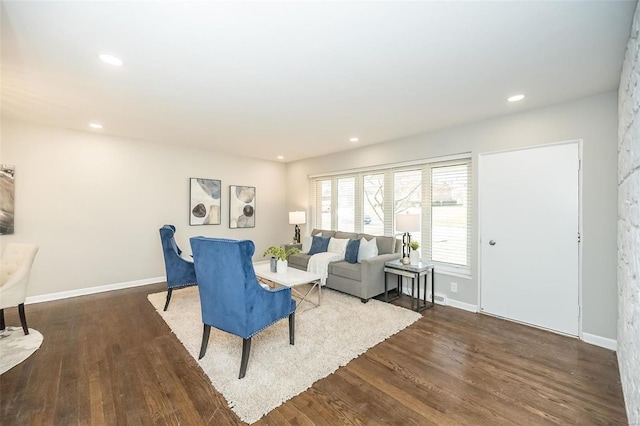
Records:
x=351, y=254
x=347, y=235
x=346, y=270
x=299, y=261
x=319, y=245
x=306, y=244
x=337, y=245
x=368, y=249
x=386, y=245
x=327, y=233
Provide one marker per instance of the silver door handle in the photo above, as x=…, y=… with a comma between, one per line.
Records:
x=492, y=242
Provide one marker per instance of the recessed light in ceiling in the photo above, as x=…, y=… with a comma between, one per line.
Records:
x=280, y=157
x=96, y=126
x=515, y=98
x=111, y=60
x=353, y=139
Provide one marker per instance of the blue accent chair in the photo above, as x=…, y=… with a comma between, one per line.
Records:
x=231, y=297
x=180, y=271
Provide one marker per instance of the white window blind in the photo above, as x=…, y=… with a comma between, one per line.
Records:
x=373, y=203
x=322, y=209
x=346, y=204
x=450, y=226
x=408, y=196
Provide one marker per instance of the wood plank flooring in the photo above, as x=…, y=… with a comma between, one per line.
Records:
x=109, y=359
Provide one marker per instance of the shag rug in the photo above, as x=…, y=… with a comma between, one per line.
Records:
x=15, y=347
x=326, y=338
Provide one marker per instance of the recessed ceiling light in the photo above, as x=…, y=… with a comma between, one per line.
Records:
x=280, y=157
x=96, y=126
x=353, y=139
x=111, y=60
x=515, y=98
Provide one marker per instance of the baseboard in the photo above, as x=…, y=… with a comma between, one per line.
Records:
x=603, y=342
x=443, y=299
x=592, y=339
x=462, y=305
x=92, y=290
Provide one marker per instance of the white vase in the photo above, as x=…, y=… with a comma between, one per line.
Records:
x=281, y=266
x=414, y=257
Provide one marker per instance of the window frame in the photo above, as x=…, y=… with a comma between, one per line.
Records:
x=389, y=171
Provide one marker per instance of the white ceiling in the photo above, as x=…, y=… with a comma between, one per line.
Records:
x=300, y=78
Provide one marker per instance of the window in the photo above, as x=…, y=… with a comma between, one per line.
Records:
x=407, y=195
x=368, y=201
x=373, y=204
x=449, y=214
x=323, y=204
x=346, y=204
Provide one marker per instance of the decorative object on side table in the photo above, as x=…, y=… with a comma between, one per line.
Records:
x=297, y=218
x=414, y=256
x=242, y=206
x=281, y=255
x=204, y=202
x=406, y=223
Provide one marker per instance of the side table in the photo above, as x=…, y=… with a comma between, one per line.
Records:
x=415, y=272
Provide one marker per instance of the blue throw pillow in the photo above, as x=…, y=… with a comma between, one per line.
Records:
x=351, y=254
x=319, y=245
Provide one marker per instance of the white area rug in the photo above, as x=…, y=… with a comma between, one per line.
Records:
x=15, y=347
x=327, y=337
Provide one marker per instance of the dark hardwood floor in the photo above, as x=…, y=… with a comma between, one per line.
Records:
x=109, y=359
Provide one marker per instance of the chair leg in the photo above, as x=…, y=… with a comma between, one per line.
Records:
x=292, y=327
x=246, y=348
x=23, y=319
x=205, y=340
x=2, y=326
x=166, y=305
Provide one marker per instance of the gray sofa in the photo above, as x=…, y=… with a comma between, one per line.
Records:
x=364, y=280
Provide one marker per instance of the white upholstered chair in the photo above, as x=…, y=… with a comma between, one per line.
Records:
x=15, y=268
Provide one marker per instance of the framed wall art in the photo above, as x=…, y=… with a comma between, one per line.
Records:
x=7, y=203
x=204, y=201
x=242, y=206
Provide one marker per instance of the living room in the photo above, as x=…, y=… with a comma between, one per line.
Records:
x=94, y=201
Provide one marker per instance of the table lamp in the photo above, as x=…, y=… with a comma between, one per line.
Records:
x=407, y=223
x=297, y=218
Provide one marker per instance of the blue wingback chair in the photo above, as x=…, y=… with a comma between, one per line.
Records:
x=180, y=271
x=231, y=298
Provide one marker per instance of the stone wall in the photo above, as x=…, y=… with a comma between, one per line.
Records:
x=629, y=225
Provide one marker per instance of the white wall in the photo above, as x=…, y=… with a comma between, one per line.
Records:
x=593, y=119
x=629, y=225
x=94, y=203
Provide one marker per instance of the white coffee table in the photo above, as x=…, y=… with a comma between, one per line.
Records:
x=292, y=278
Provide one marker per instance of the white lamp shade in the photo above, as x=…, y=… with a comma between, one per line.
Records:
x=297, y=218
x=407, y=222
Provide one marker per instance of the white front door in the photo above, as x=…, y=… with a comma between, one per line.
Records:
x=529, y=236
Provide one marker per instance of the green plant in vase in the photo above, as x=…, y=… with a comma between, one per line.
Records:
x=279, y=253
x=414, y=256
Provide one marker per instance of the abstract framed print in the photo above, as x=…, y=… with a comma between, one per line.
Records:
x=7, y=198
x=242, y=206
x=204, y=201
